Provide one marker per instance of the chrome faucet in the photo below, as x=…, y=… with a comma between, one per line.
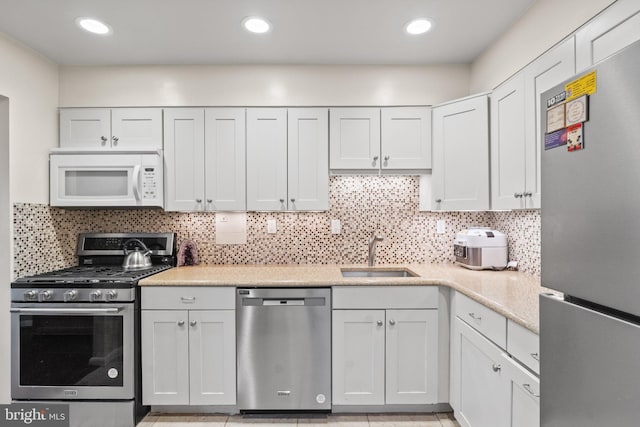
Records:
x=372, y=247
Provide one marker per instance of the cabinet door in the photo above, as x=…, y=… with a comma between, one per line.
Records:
x=508, y=161
x=85, y=127
x=225, y=159
x=266, y=159
x=461, y=155
x=165, y=357
x=524, y=391
x=354, y=138
x=615, y=28
x=545, y=72
x=308, y=155
x=136, y=128
x=212, y=357
x=483, y=386
x=358, y=357
x=411, y=356
x=405, y=138
x=184, y=159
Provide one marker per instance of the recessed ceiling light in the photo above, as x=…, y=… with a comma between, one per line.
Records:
x=255, y=24
x=93, y=26
x=418, y=26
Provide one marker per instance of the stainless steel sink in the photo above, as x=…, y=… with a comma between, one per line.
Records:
x=368, y=272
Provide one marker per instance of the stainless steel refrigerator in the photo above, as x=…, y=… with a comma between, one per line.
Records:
x=590, y=338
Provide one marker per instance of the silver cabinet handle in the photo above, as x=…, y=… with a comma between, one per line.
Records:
x=535, y=356
x=379, y=322
x=527, y=194
x=392, y=322
x=530, y=390
x=517, y=195
x=475, y=317
x=104, y=140
x=198, y=200
x=115, y=140
x=281, y=200
x=375, y=160
x=209, y=200
x=180, y=322
x=193, y=323
x=496, y=367
x=438, y=200
x=188, y=299
x=293, y=200
x=386, y=160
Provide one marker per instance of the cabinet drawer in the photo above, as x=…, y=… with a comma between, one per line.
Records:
x=524, y=345
x=483, y=319
x=188, y=297
x=372, y=297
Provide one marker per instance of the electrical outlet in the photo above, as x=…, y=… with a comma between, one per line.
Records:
x=441, y=226
x=271, y=226
x=336, y=227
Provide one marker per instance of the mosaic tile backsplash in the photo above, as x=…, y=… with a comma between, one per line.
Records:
x=45, y=237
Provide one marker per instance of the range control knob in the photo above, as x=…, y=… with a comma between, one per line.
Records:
x=45, y=295
x=30, y=295
x=95, y=295
x=112, y=294
x=70, y=295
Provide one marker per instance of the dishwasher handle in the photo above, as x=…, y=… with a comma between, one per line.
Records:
x=277, y=301
x=284, y=302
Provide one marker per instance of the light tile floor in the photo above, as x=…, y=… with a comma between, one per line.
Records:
x=366, y=420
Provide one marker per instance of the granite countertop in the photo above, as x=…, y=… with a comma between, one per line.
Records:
x=510, y=293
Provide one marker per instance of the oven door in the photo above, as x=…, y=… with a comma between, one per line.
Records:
x=72, y=351
x=106, y=179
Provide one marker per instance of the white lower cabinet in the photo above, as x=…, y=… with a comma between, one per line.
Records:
x=188, y=355
x=483, y=390
x=385, y=356
x=489, y=387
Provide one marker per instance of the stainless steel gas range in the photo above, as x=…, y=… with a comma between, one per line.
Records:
x=75, y=333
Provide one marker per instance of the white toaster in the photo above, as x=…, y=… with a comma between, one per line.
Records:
x=481, y=248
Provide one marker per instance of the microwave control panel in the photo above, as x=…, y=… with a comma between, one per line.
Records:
x=149, y=182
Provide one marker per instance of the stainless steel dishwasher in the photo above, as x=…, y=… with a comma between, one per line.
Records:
x=284, y=349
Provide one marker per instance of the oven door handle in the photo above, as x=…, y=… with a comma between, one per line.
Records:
x=111, y=310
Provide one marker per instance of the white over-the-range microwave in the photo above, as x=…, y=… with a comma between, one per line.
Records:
x=106, y=178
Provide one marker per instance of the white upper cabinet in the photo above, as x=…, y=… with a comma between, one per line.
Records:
x=204, y=159
x=355, y=138
x=184, y=159
x=308, y=159
x=545, y=72
x=508, y=153
x=266, y=159
x=371, y=139
x=287, y=159
x=461, y=155
x=224, y=159
x=126, y=128
x=615, y=28
x=405, y=138
x=85, y=127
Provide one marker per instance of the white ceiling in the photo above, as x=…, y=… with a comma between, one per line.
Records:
x=304, y=31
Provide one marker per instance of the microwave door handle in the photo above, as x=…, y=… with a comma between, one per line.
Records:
x=136, y=182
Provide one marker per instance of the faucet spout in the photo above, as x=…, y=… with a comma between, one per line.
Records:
x=372, y=247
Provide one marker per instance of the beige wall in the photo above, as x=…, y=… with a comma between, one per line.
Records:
x=5, y=248
x=30, y=81
x=28, y=128
x=542, y=26
x=260, y=85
